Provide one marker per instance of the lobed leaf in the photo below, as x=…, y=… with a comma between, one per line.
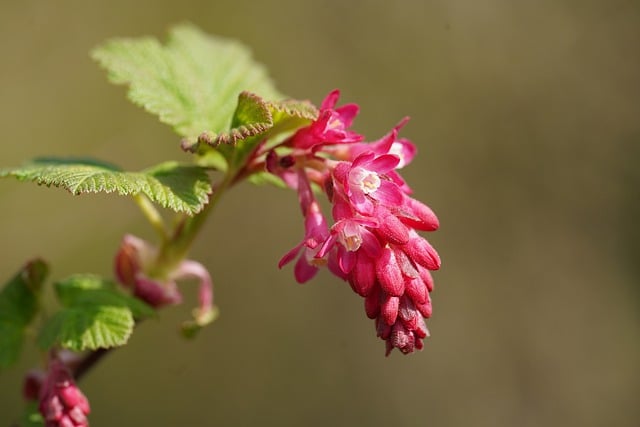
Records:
x=18, y=307
x=191, y=83
x=95, y=315
x=80, y=328
x=171, y=185
x=89, y=289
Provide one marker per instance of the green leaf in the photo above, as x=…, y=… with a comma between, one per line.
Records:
x=80, y=328
x=191, y=83
x=89, y=289
x=95, y=315
x=18, y=307
x=178, y=187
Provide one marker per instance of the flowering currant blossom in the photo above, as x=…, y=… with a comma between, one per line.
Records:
x=62, y=404
x=135, y=257
x=373, y=242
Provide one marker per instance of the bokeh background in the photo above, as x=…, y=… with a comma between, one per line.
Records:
x=527, y=118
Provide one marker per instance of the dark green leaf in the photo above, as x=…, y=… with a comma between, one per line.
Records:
x=18, y=307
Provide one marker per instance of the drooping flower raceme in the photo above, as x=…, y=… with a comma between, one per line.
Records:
x=373, y=242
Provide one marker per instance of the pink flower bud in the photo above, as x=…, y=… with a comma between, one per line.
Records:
x=392, y=229
x=416, y=290
x=389, y=309
x=363, y=276
x=389, y=274
x=420, y=251
x=62, y=404
x=32, y=384
x=372, y=303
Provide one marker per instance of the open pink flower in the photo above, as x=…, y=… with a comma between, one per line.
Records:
x=331, y=126
x=364, y=181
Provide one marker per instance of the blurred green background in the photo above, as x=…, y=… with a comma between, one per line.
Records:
x=527, y=118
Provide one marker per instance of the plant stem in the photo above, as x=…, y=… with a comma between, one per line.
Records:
x=152, y=215
x=89, y=361
x=175, y=249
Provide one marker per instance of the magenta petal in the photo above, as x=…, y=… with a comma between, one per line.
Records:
x=388, y=194
x=407, y=150
x=334, y=267
x=341, y=210
x=370, y=244
x=383, y=164
x=347, y=113
x=330, y=100
x=362, y=203
x=346, y=259
x=363, y=158
x=289, y=256
x=303, y=271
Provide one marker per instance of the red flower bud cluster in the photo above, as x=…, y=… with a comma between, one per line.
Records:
x=62, y=404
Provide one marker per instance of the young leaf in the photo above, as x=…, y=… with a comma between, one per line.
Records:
x=95, y=315
x=171, y=185
x=191, y=83
x=18, y=307
x=88, y=327
x=253, y=121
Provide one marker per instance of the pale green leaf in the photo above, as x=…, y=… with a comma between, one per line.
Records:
x=191, y=83
x=88, y=327
x=171, y=185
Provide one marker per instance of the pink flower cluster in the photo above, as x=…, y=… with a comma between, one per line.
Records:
x=62, y=404
x=373, y=241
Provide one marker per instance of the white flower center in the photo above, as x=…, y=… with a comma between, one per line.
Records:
x=350, y=236
x=364, y=179
x=396, y=150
